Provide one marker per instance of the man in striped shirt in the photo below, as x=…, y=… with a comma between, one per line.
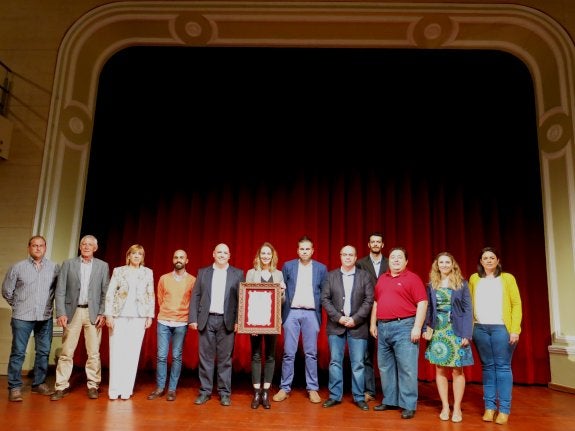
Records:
x=29, y=288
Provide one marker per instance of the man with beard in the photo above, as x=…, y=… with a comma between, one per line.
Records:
x=173, y=297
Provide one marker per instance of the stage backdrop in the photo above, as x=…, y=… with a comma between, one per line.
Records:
x=436, y=149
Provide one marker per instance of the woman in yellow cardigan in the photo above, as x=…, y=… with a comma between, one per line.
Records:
x=497, y=325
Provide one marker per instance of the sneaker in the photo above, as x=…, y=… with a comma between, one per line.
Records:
x=42, y=389
x=93, y=393
x=314, y=397
x=15, y=394
x=281, y=395
x=171, y=396
x=59, y=394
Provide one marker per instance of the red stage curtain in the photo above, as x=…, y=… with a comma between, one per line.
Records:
x=446, y=160
x=424, y=216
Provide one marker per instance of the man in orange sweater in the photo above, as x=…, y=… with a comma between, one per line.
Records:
x=173, y=298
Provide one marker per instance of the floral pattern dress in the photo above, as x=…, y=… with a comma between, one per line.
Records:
x=445, y=347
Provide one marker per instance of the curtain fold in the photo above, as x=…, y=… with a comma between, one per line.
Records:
x=425, y=216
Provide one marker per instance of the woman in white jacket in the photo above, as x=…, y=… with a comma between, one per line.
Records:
x=129, y=311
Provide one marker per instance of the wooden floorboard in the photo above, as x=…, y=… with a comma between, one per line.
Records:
x=534, y=408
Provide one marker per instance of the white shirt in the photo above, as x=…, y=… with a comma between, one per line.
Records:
x=488, y=301
x=348, y=278
x=218, y=290
x=85, y=273
x=303, y=296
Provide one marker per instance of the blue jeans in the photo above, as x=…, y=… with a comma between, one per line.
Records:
x=304, y=322
x=176, y=334
x=357, y=348
x=21, y=331
x=495, y=353
x=397, y=360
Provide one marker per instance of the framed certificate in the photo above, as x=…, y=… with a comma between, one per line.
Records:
x=259, y=308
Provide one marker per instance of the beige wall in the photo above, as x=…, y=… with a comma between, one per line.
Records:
x=56, y=49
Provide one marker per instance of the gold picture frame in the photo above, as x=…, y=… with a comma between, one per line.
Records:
x=259, y=308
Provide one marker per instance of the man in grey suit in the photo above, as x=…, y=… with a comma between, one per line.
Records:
x=80, y=300
x=213, y=313
x=375, y=263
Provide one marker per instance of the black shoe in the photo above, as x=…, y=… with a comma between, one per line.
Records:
x=330, y=402
x=202, y=399
x=381, y=407
x=362, y=405
x=256, y=400
x=407, y=414
x=265, y=398
x=225, y=400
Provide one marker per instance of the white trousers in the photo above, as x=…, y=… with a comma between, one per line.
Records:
x=125, y=345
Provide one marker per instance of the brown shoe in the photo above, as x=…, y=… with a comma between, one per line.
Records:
x=489, y=415
x=42, y=389
x=368, y=397
x=93, y=393
x=281, y=395
x=158, y=392
x=59, y=394
x=314, y=397
x=171, y=396
x=501, y=418
x=15, y=394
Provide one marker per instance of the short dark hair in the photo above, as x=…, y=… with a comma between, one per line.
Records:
x=379, y=234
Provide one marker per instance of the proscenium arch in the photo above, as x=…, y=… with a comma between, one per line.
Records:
x=533, y=37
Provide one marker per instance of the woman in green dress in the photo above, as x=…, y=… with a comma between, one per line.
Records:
x=449, y=328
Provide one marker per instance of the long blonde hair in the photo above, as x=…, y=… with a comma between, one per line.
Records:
x=455, y=277
x=273, y=262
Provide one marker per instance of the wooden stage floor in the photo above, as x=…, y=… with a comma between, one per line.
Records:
x=534, y=408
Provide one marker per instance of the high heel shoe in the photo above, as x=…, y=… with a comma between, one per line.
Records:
x=266, y=399
x=256, y=399
x=501, y=418
x=489, y=415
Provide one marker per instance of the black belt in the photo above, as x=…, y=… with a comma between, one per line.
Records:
x=395, y=319
x=216, y=314
x=301, y=308
x=82, y=305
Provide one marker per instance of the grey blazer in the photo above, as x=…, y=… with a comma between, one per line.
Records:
x=68, y=288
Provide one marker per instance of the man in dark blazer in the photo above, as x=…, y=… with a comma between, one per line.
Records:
x=375, y=263
x=80, y=300
x=213, y=313
x=301, y=314
x=347, y=298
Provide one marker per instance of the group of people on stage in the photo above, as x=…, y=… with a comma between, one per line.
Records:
x=375, y=306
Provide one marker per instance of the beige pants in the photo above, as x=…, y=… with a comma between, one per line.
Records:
x=92, y=337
